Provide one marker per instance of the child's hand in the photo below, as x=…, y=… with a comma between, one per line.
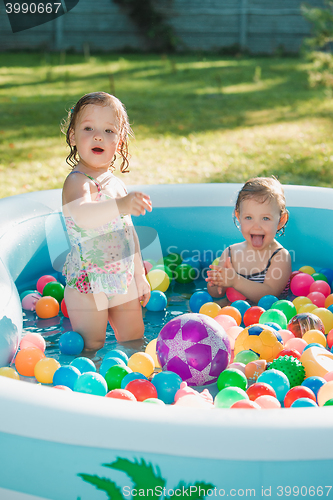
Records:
x=222, y=277
x=143, y=288
x=134, y=203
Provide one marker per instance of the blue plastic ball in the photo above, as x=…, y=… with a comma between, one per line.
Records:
x=198, y=299
x=117, y=353
x=193, y=262
x=66, y=375
x=303, y=403
x=91, y=383
x=131, y=376
x=71, y=343
x=206, y=258
x=167, y=383
x=241, y=305
x=278, y=380
x=157, y=301
x=328, y=273
x=83, y=364
x=108, y=362
x=313, y=344
x=330, y=308
x=267, y=301
x=273, y=325
x=314, y=383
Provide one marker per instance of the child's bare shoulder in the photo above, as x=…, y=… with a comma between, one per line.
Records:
x=76, y=186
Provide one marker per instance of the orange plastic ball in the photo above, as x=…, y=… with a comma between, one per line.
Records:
x=211, y=309
x=329, y=300
x=45, y=369
x=47, y=307
x=141, y=362
x=233, y=312
x=26, y=360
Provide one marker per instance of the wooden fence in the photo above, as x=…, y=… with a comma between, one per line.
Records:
x=258, y=26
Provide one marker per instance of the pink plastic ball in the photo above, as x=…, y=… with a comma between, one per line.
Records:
x=328, y=376
x=29, y=301
x=286, y=335
x=300, y=284
x=225, y=321
x=317, y=298
x=43, y=280
x=33, y=340
x=233, y=295
x=147, y=266
x=321, y=286
x=268, y=402
x=245, y=403
x=296, y=343
x=232, y=334
x=237, y=366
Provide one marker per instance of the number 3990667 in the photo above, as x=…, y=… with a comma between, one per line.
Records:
x=32, y=8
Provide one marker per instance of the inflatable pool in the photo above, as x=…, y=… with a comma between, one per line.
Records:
x=61, y=446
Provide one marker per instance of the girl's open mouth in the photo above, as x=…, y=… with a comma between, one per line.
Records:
x=257, y=240
x=98, y=150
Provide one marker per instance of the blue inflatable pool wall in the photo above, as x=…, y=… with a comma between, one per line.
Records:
x=63, y=446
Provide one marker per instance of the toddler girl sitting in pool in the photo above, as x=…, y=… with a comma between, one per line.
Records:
x=259, y=265
x=105, y=279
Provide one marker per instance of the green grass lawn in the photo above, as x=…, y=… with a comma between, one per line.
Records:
x=195, y=118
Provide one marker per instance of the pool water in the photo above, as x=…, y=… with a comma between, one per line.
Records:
x=178, y=296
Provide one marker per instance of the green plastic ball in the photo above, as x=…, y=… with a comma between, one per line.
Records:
x=185, y=273
x=329, y=402
x=231, y=377
x=246, y=357
x=319, y=276
x=291, y=367
x=228, y=396
x=285, y=306
x=164, y=268
x=115, y=375
x=274, y=316
x=54, y=289
x=172, y=260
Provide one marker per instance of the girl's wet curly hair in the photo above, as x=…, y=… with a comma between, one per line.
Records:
x=100, y=99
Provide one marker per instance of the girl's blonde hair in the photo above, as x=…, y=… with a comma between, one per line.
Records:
x=99, y=99
x=263, y=189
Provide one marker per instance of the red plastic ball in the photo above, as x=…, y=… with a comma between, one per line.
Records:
x=321, y=286
x=43, y=280
x=142, y=389
x=246, y=403
x=233, y=295
x=63, y=308
x=260, y=389
x=317, y=298
x=300, y=284
x=289, y=352
x=121, y=394
x=252, y=315
x=299, y=391
x=329, y=339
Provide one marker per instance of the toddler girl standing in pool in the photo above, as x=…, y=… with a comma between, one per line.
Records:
x=105, y=279
x=259, y=265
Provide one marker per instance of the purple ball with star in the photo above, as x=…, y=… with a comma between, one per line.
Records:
x=195, y=347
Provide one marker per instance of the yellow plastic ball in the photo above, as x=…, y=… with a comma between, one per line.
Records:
x=151, y=350
x=158, y=280
x=307, y=269
x=306, y=308
x=216, y=261
x=45, y=369
x=211, y=309
x=300, y=301
x=8, y=372
x=141, y=362
x=326, y=316
x=314, y=337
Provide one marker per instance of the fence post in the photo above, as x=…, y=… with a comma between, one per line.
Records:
x=243, y=24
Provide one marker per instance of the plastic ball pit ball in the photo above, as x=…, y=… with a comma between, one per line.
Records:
x=291, y=367
x=228, y=396
x=300, y=284
x=91, y=383
x=198, y=299
x=157, y=301
x=268, y=402
x=274, y=316
x=158, y=280
x=306, y=269
x=241, y=305
x=303, y=403
x=47, y=307
x=289, y=352
x=261, y=339
x=62, y=388
x=45, y=369
x=195, y=347
x=33, y=340
x=121, y=394
x=267, y=301
x=296, y=343
x=211, y=309
x=329, y=300
x=71, y=343
x=114, y=376
x=225, y=321
x=151, y=350
x=317, y=298
x=107, y=363
x=254, y=369
x=325, y=393
x=231, y=377
x=67, y=376
x=314, y=383
x=166, y=384
x=245, y=404
x=29, y=301
x=184, y=273
x=8, y=372
x=26, y=360
x=315, y=336
x=322, y=287
x=326, y=316
x=278, y=380
x=172, y=260
x=297, y=392
x=233, y=295
x=307, y=308
x=117, y=353
x=141, y=362
x=63, y=308
x=303, y=322
x=260, y=389
x=43, y=280
x=142, y=389
x=300, y=302
x=155, y=401
x=131, y=376
x=287, y=307
x=233, y=312
x=233, y=333
x=246, y=357
x=83, y=364
x=319, y=277
x=165, y=269
x=54, y=289
x=252, y=315
x=329, y=339
x=328, y=273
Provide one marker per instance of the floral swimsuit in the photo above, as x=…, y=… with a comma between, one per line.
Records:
x=101, y=259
